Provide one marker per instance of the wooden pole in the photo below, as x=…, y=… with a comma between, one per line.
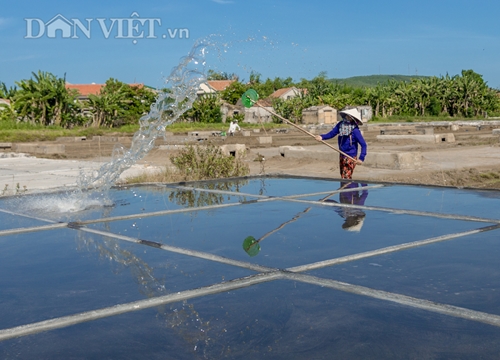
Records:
x=303, y=130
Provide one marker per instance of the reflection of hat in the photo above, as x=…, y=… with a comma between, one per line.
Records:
x=354, y=223
x=353, y=113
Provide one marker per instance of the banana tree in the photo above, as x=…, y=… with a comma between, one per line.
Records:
x=104, y=107
x=43, y=99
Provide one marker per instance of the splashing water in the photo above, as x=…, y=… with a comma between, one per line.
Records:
x=56, y=207
x=183, y=84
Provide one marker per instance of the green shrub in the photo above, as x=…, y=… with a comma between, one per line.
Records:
x=207, y=162
x=490, y=175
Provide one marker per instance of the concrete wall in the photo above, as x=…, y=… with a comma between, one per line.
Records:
x=39, y=149
x=255, y=115
x=436, y=138
x=236, y=150
x=366, y=112
x=394, y=160
x=117, y=139
x=71, y=139
x=203, y=134
x=265, y=140
x=381, y=160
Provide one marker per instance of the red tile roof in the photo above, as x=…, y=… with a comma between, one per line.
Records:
x=86, y=89
x=219, y=85
x=265, y=102
x=280, y=92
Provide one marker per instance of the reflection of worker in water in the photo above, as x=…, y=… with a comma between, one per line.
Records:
x=354, y=218
x=233, y=127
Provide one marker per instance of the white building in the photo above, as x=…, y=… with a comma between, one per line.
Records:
x=285, y=93
x=4, y=103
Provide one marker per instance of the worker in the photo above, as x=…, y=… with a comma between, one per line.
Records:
x=350, y=139
x=233, y=127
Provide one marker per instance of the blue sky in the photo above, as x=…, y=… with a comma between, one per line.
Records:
x=281, y=38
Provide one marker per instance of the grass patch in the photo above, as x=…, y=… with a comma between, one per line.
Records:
x=165, y=175
x=490, y=176
x=196, y=162
x=10, y=131
x=21, y=132
x=184, y=127
x=420, y=119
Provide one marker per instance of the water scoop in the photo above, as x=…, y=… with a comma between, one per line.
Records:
x=250, y=98
x=251, y=245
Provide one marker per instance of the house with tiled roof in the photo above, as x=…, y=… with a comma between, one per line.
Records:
x=4, y=103
x=285, y=93
x=84, y=90
x=257, y=114
x=260, y=114
x=213, y=86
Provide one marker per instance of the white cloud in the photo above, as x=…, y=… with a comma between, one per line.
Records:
x=223, y=1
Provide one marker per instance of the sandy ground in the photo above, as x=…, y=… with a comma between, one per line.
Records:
x=473, y=160
x=470, y=166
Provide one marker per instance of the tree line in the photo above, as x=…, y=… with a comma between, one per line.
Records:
x=45, y=100
x=466, y=95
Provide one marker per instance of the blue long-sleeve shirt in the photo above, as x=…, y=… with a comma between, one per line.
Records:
x=349, y=144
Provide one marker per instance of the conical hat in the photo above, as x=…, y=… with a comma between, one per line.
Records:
x=354, y=113
x=353, y=223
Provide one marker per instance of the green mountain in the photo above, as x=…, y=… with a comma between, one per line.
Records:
x=373, y=80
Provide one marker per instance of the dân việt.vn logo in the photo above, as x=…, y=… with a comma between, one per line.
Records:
x=132, y=28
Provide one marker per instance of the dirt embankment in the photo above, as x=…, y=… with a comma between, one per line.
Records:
x=473, y=160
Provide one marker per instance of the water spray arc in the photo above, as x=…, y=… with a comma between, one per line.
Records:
x=182, y=86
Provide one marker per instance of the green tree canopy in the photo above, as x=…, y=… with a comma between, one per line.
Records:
x=214, y=75
x=205, y=109
x=120, y=104
x=44, y=100
x=233, y=92
x=7, y=93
